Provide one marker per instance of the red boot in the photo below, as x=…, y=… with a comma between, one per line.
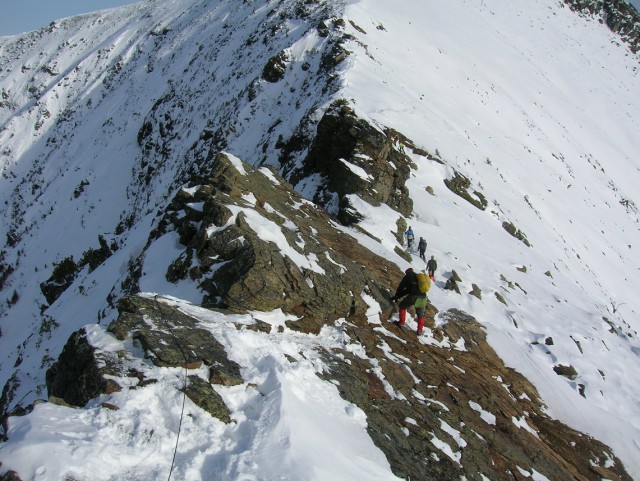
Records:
x=402, y=314
x=420, y=325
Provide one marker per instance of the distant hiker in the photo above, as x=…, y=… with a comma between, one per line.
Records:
x=422, y=246
x=409, y=236
x=413, y=296
x=432, y=265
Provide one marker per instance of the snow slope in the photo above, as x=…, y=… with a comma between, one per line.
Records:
x=539, y=108
x=534, y=104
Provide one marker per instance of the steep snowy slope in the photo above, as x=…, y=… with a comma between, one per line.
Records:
x=539, y=109
x=103, y=117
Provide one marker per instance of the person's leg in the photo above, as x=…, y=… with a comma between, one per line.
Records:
x=402, y=315
x=405, y=304
x=420, y=315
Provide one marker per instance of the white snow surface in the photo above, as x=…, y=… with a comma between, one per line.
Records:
x=538, y=106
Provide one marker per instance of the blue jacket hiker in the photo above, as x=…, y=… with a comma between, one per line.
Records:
x=409, y=235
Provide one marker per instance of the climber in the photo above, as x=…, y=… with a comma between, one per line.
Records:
x=408, y=289
x=432, y=265
x=422, y=246
x=409, y=235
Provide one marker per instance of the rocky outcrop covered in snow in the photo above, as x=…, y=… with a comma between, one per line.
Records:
x=619, y=15
x=251, y=242
x=350, y=156
x=455, y=393
x=440, y=406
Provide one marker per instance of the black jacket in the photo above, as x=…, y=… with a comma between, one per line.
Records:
x=432, y=265
x=408, y=286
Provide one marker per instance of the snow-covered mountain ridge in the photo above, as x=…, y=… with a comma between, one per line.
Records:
x=105, y=116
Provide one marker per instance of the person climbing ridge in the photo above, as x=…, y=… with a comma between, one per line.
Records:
x=409, y=235
x=412, y=296
x=432, y=265
x=422, y=247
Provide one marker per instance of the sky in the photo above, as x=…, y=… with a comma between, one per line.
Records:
x=28, y=15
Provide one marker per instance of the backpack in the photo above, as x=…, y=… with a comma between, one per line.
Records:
x=424, y=283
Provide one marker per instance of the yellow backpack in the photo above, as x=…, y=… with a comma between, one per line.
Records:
x=424, y=283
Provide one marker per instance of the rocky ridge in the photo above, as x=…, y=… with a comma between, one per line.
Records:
x=229, y=266
x=441, y=406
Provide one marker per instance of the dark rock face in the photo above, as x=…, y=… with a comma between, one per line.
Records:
x=462, y=395
x=354, y=157
x=65, y=272
x=62, y=277
x=75, y=377
x=619, y=15
x=8, y=393
x=9, y=476
x=168, y=337
x=275, y=68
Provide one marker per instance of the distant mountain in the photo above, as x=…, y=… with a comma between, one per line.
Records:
x=253, y=166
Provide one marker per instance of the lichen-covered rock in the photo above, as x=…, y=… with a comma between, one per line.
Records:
x=461, y=186
x=205, y=397
x=169, y=337
x=566, y=371
x=515, y=232
x=452, y=282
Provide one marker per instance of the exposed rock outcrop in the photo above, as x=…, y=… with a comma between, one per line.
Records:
x=439, y=406
x=351, y=156
x=168, y=337
x=154, y=326
x=76, y=377
x=9, y=476
x=461, y=186
x=619, y=15
x=253, y=243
